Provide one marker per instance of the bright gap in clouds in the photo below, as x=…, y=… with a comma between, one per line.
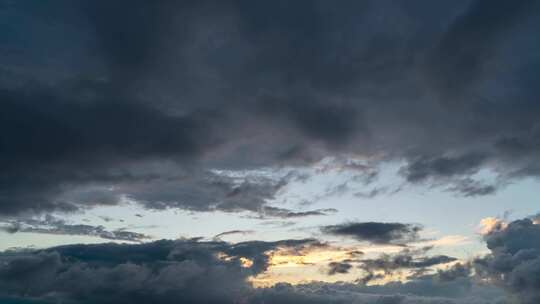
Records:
x=350, y=186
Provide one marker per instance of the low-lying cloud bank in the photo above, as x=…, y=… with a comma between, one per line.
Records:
x=189, y=271
x=186, y=271
x=195, y=271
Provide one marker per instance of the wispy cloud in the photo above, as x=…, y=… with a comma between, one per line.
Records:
x=52, y=225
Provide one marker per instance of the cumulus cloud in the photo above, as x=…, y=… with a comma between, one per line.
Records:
x=377, y=233
x=193, y=271
x=489, y=225
x=514, y=262
x=159, y=272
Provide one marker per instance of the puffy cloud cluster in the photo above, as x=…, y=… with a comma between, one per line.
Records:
x=188, y=271
x=492, y=224
x=193, y=271
x=196, y=271
x=514, y=262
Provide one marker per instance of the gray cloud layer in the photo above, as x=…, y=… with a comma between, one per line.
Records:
x=160, y=272
x=377, y=233
x=95, y=94
x=53, y=225
x=191, y=271
x=103, y=101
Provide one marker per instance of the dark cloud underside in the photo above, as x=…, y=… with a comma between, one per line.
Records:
x=374, y=232
x=191, y=271
x=94, y=94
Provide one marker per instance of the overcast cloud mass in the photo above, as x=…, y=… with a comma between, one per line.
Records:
x=226, y=108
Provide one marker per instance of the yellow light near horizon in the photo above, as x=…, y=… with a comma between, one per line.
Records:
x=311, y=264
x=245, y=262
x=287, y=259
x=491, y=224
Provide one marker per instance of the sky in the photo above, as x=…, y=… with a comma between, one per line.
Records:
x=269, y=151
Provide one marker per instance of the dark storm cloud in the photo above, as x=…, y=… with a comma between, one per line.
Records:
x=453, y=171
x=51, y=145
x=95, y=94
x=191, y=271
x=470, y=42
x=377, y=233
x=160, y=272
